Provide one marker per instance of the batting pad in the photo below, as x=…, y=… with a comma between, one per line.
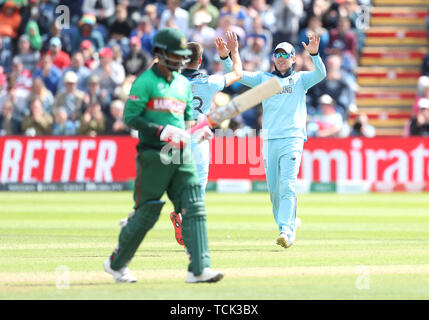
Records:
x=194, y=230
x=133, y=233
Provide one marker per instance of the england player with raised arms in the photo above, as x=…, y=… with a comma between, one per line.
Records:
x=204, y=87
x=284, y=128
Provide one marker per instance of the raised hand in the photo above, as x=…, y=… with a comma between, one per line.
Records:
x=231, y=41
x=313, y=44
x=221, y=47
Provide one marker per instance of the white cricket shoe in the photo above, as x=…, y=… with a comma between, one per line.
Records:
x=208, y=275
x=121, y=275
x=286, y=240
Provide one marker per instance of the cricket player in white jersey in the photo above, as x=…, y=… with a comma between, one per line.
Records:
x=284, y=128
x=204, y=87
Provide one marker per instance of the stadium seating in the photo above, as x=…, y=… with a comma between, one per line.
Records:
x=389, y=64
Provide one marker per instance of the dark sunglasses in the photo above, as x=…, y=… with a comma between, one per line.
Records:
x=278, y=55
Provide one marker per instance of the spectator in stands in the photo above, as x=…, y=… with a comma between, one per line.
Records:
x=179, y=15
x=110, y=73
x=347, y=38
x=152, y=12
x=10, y=20
x=74, y=7
x=258, y=30
x=87, y=50
x=334, y=86
x=120, y=28
x=49, y=73
x=419, y=124
x=38, y=90
x=102, y=9
x=87, y=31
x=204, y=35
x=331, y=15
x=62, y=126
x=9, y=125
x=29, y=57
x=59, y=58
x=145, y=31
x=37, y=122
x=138, y=59
x=327, y=122
x=72, y=98
x=33, y=34
x=303, y=62
x=234, y=9
x=67, y=35
x=20, y=85
x=348, y=64
x=422, y=92
x=362, y=128
x=314, y=25
x=288, y=14
x=352, y=10
x=95, y=94
x=5, y=57
x=92, y=122
x=207, y=6
x=41, y=12
x=228, y=23
x=77, y=66
x=114, y=122
x=262, y=10
x=255, y=52
x=425, y=63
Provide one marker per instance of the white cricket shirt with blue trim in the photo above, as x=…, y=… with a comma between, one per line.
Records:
x=285, y=114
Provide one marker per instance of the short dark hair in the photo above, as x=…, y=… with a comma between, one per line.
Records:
x=197, y=52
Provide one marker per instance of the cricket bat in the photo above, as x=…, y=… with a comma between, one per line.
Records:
x=240, y=103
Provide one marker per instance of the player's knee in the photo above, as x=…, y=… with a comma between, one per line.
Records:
x=287, y=190
x=148, y=214
x=192, y=201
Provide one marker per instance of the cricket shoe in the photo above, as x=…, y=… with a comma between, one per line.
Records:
x=121, y=275
x=208, y=275
x=286, y=240
x=176, y=219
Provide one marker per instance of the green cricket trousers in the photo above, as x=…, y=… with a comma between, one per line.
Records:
x=172, y=171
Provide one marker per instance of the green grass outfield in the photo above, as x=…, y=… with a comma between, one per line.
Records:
x=372, y=246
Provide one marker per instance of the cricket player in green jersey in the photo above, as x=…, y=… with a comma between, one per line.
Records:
x=160, y=108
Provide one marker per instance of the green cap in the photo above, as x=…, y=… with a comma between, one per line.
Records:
x=172, y=40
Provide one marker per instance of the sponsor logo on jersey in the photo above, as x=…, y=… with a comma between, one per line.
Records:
x=133, y=97
x=165, y=104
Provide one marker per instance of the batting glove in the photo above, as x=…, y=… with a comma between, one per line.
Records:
x=174, y=136
x=203, y=134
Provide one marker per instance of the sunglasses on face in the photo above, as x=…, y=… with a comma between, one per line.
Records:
x=278, y=55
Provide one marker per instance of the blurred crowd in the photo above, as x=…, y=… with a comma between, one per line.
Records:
x=66, y=66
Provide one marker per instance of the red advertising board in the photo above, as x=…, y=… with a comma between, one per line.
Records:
x=112, y=159
x=71, y=159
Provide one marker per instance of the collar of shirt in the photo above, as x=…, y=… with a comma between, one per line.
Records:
x=156, y=70
x=191, y=73
x=285, y=75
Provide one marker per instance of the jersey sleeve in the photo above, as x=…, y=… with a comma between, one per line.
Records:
x=188, y=115
x=135, y=106
x=310, y=78
x=250, y=79
x=216, y=83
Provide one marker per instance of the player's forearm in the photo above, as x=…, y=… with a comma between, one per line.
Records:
x=149, y=129
x=249, y=79
x=318, y=74
x=319, y=66
x=237, y=67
